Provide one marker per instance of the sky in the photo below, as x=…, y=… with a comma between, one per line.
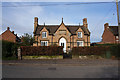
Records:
x=19, y=16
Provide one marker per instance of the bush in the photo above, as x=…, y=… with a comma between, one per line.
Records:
x=9, y=49
x=115, y=50
x=41, y=50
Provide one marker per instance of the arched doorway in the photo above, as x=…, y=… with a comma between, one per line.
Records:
x=62, y=42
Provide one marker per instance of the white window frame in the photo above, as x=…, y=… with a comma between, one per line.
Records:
x=80, y=36
x=81, y=43
x=43, y=35
x=117, y=37
x=46, y=43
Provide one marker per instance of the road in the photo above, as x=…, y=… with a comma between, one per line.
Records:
x=60, y=69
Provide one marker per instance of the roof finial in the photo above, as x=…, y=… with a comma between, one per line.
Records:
x=79, y=24
x=62, y=19
x=44, y=23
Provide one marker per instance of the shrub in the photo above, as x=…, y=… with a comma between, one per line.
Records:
x=41, y=50
x=115, y=50
x=96, y=50
x=9, y=49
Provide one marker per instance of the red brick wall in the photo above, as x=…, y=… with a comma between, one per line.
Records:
x=108, y=36
x=8, y=36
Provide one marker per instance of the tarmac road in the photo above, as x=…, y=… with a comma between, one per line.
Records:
x=60, y=69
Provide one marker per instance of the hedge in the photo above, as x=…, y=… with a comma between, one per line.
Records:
x=90, y=50
x=97, y=50
x=115, y=50
x=41, y=50
x=9, y=49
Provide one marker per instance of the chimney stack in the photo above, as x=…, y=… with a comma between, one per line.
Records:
x=85, y=22
x=13, y=32
x=16, y=34
x=35, y=23
x=106, y=25
x=8, y=28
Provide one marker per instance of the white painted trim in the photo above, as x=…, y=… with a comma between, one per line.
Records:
x=63, y=40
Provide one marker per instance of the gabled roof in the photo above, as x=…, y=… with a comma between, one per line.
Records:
x=114, y=30
x=17, y=38
x=53, y=28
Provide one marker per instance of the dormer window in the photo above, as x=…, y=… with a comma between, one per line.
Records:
x=44, y=34
x=79, y=34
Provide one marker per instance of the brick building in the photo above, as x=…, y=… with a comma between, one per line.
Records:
x=67, y=36
x=110, y=35
x=9, y=36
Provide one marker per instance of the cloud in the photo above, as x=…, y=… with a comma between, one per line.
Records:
x=21, y=19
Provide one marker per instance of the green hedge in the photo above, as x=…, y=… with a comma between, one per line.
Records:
x=9, y=50
x=113, y=50
x=89, y=50
x=41, y=50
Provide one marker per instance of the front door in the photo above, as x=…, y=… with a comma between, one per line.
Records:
x=62, y=42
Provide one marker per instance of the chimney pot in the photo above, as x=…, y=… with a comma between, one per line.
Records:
x=106, y=25
x=36, y=19
x=8, y=28
x=85, y=22
x=13, y=32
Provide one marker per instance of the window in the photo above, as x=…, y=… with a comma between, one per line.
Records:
x=62, y=44
x=117, y=37
x=79, y=43
x=44, y=43
x=44, y=34
x=79, y=34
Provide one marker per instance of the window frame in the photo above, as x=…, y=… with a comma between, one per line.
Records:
x=43, y=34
x=80, y=36
x=44, y=42
x=80, y=45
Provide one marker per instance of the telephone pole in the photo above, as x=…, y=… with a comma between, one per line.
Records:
x=118, y=20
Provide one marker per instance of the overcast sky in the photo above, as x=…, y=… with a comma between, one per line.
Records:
x=19, y=16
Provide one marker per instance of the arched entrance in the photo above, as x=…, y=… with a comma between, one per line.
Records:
x=62, y=42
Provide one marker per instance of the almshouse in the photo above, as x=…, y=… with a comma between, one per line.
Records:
x=68, y=36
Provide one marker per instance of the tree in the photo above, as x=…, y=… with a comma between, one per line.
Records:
x=27, y=39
